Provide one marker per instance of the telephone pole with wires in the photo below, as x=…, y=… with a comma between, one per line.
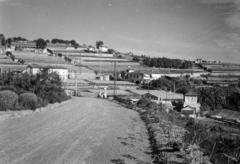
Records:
x=115, y=78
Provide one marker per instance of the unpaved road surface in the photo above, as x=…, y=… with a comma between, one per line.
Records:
x=81, y=131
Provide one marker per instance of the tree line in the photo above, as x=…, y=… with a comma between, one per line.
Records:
x=40, y=42
x=162, y=62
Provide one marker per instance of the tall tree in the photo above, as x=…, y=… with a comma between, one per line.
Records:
x=19, y=38
x=41, y=43
x=2, y=40
x=9, y=42
x=99, y=44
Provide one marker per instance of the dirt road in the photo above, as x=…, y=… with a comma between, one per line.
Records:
x=82, y=131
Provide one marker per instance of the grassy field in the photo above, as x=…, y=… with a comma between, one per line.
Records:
x=90, y=55
x=123, y=66
x=5, y=59
x=31, y=57
x=224, y=71
x=12, y=67
x=87, y=59
x=221, y=78
x=45, y=60
x=7, y=64
x=223, y=67
x=109, y=66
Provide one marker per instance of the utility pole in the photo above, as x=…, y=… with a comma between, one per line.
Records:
x=76, y=81
x=80, y=72
x=115, y=78
x=174, y=86
x=148, y=86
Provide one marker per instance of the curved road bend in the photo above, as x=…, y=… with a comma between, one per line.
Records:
x=82, y=131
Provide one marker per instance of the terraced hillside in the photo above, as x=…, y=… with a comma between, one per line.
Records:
x=35, y=58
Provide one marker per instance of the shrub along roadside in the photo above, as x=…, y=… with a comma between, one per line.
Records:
x=200, y=143
x=8, y=100
x=165, y=139
x=28, y=101
x=46, y=86
x=166, y=134
x=217, y=143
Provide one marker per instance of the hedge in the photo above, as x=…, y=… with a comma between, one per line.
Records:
x=28, y=100
x=8, y=100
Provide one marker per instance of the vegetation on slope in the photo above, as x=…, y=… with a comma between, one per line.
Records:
x=46, y=86
x=180, y=140
x=167, y=63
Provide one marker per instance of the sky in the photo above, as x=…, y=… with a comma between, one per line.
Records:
x=185, y=29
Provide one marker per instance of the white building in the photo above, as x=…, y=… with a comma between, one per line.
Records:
x=103, y=49
x=191, y=107
x=91, y=49
x=198, y=61
x=35, y=69
x=61, y=71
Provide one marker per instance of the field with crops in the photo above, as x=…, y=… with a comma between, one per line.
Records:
x=7, y=64
x=222, y=67
x=101, y=59
x=223, y=74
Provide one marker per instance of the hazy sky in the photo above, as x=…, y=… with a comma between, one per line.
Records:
x=187, y=29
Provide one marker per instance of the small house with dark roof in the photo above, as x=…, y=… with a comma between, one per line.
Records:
x=191, y=107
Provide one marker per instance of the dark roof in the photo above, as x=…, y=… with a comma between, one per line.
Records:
x=188, y=106
x=191, y=93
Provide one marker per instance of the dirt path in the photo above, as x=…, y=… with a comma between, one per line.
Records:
x=82, y=131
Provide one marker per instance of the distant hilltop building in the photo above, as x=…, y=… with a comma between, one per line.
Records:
x=92, y=49
x=24, y=44
x=198, y=61
x=32, y=45
x=103, y=49
x=201, y=61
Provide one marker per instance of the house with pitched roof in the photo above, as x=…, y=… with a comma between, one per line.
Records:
x=191, y=107
x=35, y=69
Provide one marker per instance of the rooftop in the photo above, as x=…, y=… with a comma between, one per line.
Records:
x=159, y=93
x=191, y=93
x=168, y=71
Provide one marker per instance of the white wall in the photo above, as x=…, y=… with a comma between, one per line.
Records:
x=63, y=73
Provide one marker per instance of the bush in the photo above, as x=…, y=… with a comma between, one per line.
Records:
x=143, y=102
x=8, y=100
x=28, y=100
x=54, y=97
x=215, y=141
